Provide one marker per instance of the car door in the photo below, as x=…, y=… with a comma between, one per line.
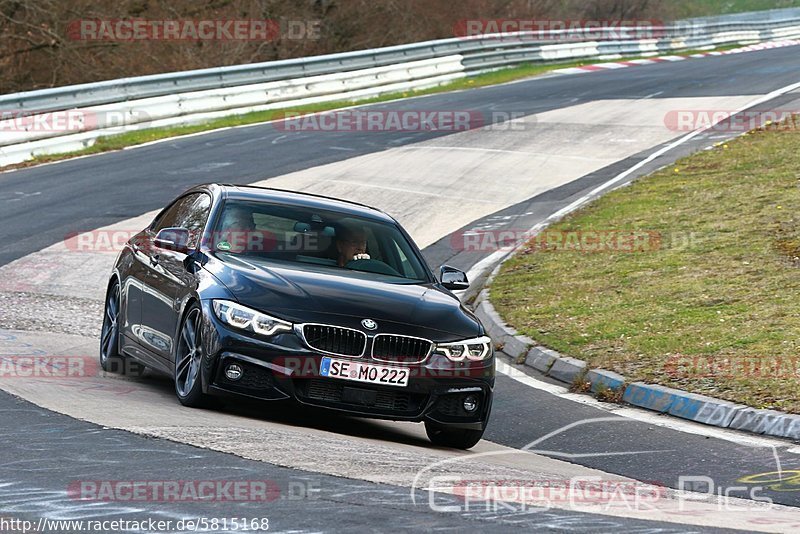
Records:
x=166, y=279
x=132, y=271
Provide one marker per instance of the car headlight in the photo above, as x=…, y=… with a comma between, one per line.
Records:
x=475, y=349
x=244, y=318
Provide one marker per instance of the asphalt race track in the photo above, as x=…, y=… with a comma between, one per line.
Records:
x=570, y=134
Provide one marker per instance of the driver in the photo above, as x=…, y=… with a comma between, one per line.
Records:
x=351, y=244
x=236, y=229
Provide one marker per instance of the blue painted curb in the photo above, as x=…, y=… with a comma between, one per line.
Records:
x=674, y=402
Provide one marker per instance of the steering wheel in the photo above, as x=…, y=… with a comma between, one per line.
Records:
x=372, y=266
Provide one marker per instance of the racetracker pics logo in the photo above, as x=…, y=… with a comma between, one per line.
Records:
x=560, y=30
x=360, y=120
x=192, y=30
x=731, y=121
x=578, y=492
x=47, y=367
x=185, y=490
x=732, y=367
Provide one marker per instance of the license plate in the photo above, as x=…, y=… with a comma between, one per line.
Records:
x=364, y=372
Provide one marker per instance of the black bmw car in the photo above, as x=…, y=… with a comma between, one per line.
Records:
x=271, y=294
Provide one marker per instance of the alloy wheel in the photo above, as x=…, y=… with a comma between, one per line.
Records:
x=188, y=357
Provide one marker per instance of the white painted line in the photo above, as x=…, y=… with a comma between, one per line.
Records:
x=478, y=269
x=498, y=150
x=642, y=415
x=668, y=421
x=446, y=195
x=766, y=98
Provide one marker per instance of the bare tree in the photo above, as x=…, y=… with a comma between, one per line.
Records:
x=38, y=48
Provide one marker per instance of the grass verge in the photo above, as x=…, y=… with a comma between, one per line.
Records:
x=704, y=8
x=119, y=141
x=708, y=302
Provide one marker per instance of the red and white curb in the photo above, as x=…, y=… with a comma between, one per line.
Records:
x=661, y=59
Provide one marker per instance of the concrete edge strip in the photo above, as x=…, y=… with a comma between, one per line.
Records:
x=607, y=385
x=660, y=59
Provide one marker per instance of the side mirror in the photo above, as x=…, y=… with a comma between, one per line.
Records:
x=453, y=279
x=176, y=239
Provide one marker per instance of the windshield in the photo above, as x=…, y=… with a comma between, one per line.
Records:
x=321, y=239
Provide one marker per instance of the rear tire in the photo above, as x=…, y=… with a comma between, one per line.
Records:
x=457, y=438
x=111, y=360
x=188, y=360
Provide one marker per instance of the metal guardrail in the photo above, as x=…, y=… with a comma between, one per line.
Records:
x=473, y=49
x=93, y=94
x=193, y=96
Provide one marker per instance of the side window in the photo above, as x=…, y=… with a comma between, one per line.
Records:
x=190, y=212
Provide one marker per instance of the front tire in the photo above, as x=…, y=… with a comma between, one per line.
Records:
x=188, y=360
x=111, y=360
x=457, y=438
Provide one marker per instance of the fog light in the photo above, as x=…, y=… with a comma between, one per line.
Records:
x=470, y=403
x=233, y=372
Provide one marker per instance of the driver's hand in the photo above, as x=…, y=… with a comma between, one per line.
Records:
x=361, y=257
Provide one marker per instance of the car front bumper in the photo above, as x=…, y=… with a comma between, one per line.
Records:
x=283, y=367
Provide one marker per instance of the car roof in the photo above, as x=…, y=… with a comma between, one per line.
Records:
x=295, y=198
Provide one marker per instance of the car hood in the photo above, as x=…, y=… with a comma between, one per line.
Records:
x=309, y=294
